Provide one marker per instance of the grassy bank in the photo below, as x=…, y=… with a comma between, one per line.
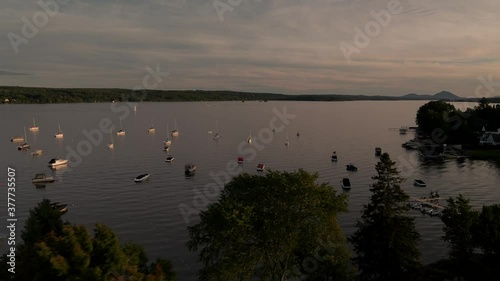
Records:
x=484, y=154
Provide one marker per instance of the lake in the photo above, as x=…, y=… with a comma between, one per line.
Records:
x=98, y=184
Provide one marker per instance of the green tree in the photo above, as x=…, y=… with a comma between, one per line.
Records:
x=487, y=230
x=459, y=220
x=433, y=115
x=265, y=226
x=57, y=251
x=386, y=240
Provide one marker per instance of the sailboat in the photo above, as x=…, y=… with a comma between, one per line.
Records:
x=151, y=129
x=135, y=108
x=59, y=134
x=167, y=142
x=121, y=132
x=34, y=127
x=111, y=144
x=216, y=136
x=175, y=132
x=249, y=139
x=287, y=142
x=25, y=145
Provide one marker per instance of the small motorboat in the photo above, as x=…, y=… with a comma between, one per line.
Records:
x=167, y=142
x=334, y=156
x=166, y=148
x=34, y=128
x=169, y=159
x=403, y=130
x=371, y=187
x=240, y=160
x=23, y=146
x=261, y=167
x=57, y=162
x=120, y=133
x=420, y=183
x=298, y=134
x=351, y=167
x=345, y=183
x=42, y=178
x=141, y=178
x=63, y=208
x=37, y=152
x=378, y=151
x=189, y=169
x=151, y=129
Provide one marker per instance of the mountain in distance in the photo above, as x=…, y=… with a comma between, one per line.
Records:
x=443, y=95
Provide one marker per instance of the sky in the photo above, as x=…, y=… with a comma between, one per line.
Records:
x=368, y=47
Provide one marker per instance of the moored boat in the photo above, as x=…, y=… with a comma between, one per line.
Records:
x=189, y=169
x=34, y=128
x=351, y=167
x=63, y=208
x=17, y=139
x=57, y=162
x=37, y=152
x=240, y=160
x=378, y=151
x=142, y=177
x=334, y=156
x=345, y=183
x=42, y=178
x=420, y=183
x=169, y=158
x=261, y=167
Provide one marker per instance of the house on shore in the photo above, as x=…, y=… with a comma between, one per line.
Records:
x=490, y=138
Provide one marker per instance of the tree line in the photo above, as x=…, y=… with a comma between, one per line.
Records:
x=442, y=122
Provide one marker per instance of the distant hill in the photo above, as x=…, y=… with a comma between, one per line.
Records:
x=443, y=95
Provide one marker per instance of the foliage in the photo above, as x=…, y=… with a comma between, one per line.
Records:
x=57, y=251
x=459, y=220
x=445, y=124
x=267, y=226
x=386, y=240
x=487, y=230
x=432, y=115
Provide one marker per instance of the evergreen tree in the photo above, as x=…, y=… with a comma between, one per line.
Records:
x=459, y=220
x=386, y=240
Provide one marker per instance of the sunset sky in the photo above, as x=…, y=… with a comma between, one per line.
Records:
x=257, y=45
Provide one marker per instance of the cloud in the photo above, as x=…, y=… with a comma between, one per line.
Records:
x=268, y=46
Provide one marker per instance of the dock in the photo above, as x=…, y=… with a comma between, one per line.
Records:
x=429, y=202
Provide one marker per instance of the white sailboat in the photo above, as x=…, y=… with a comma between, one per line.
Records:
x=216, y=136
x=287, y=142
x=152, y=128
x=111, y=144
x=175, y=132
x=121, y=132
x=59, y=135
x=24, y=145
x=249, y=139
x=167, y=142
x=135, y=108
x=34, y=128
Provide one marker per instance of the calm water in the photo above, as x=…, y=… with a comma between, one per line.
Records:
x=99, y=186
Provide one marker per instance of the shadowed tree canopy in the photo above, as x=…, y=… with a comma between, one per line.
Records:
x=272, y=227
x=386, y=240
x=57, y=251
